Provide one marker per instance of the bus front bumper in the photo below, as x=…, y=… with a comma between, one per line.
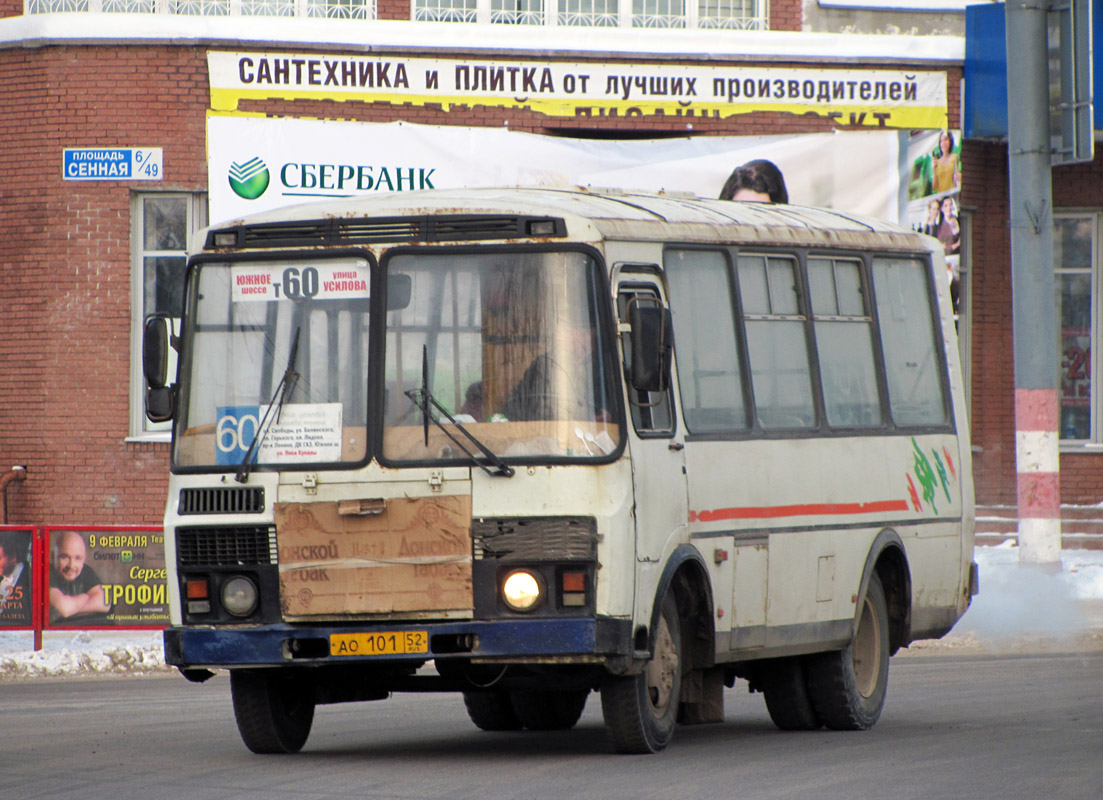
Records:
x=577, y=640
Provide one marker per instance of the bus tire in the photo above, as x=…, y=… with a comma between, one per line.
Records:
x=641, y=710
x=787, y=697
x=549, y=710
x=848, y=686
x=491, y=710
x=274, y=712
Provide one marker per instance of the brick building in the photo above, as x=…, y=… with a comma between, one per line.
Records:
x=82, y=261
x=1077, y=200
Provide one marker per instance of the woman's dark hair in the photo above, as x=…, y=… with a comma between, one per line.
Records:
x=759, y=175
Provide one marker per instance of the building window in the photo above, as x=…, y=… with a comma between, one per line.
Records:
x=589, y=13
x=726, y=14
x=658, y=13
x=517, y=12
x=1074, y=258
x=445, y=10
x=161, y=226
x=327, y=9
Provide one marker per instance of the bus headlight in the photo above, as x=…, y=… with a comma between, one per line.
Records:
x=522, y=590
x=240, y=596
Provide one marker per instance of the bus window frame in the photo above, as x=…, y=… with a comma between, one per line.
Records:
x=933, y=309
x=888, y=426
x=610, y=359
x=187, y=335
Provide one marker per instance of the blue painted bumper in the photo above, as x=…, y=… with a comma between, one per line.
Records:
x=284, y=644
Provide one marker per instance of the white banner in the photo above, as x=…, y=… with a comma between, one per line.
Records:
x=257, y=164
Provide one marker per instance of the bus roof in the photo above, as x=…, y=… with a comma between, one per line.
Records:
x=594, y=214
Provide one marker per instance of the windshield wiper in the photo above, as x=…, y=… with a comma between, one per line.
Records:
x=423, y=399
x=275, y=405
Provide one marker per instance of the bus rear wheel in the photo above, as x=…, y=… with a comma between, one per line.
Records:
x=640, y=710
x=491, y=710
x=787, y=699
x=549, y=710
x=274, y=711
x=848, y=686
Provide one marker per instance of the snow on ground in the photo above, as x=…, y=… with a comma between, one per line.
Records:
x=1019, y=607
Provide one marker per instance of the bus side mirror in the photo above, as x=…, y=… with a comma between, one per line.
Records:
x=160, y=403
x=155, y=351
x=156, y=340
x=652, y=343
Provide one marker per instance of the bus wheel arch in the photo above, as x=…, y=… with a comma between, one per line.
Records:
x=642, y=709
x=687, y=577
x=889, y=560
x=848, y=687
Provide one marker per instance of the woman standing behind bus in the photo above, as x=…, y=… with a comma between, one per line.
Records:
x=758, y=181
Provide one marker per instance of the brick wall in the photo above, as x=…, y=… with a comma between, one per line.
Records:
x=393, y=9
x=786, y=15
x=65, y=254
x=986, y=190
x=65, y=267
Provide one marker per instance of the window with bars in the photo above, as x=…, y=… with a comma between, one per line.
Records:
x=710, y=14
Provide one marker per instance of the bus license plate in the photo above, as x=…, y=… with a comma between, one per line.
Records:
x=378, y=644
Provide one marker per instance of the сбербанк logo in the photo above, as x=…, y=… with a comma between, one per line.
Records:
x=250, y=178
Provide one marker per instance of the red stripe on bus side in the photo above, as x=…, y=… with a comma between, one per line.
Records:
x=805, y=510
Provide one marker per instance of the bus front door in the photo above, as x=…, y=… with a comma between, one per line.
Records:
x=657, y=451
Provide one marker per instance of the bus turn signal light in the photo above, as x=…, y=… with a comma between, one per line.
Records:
x=574, y=588
x=198, y=591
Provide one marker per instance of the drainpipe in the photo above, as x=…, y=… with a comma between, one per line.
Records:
x=17, y=473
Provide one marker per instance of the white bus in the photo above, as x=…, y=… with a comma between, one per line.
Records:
x=526, y=444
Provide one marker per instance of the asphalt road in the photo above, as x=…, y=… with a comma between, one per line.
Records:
x=1017, y=726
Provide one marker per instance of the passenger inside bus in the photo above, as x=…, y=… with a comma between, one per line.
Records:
x=559, y=384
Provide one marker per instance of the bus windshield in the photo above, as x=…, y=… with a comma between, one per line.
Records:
x=510, y=344
x=275, y=371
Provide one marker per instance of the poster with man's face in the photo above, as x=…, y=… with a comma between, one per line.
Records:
x=106, y=577
x=16, y=607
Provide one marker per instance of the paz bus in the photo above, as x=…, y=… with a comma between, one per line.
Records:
x=529, y=444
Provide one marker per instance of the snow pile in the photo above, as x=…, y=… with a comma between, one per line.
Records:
x=1018, y=606
x=84, y=653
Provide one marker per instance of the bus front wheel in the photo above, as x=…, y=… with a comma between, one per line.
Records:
x=640, y=710
x=274, y=711
x=848, y=686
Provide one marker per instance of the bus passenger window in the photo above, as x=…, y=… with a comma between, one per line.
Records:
x=844, y=342
x=913, y=364
x=706, y=352
x=780, y=375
